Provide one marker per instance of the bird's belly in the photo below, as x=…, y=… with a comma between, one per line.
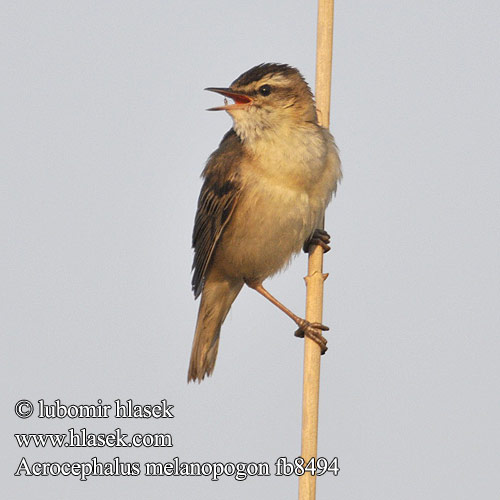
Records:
x=269, y=225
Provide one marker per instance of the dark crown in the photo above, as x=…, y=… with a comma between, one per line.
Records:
x=258, y=72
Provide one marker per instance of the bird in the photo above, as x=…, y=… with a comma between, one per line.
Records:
x=263, y=199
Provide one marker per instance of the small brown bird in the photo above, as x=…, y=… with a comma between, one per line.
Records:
x=264, y=196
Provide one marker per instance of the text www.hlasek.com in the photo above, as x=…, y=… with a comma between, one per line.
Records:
x=84, y=439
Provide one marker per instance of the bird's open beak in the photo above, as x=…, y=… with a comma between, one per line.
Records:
x=241, y=101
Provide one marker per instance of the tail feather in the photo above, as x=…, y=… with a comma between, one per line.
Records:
x=216, y=300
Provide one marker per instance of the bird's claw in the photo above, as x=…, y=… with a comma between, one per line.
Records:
x=313, y=331
x=319, y=237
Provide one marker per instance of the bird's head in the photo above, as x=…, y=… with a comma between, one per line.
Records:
x=267, y=97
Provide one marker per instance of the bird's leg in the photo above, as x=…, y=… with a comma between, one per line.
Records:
x=311, y=330
x=319, y=237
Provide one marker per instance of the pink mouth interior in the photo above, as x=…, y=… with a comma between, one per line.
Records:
x=240, y=99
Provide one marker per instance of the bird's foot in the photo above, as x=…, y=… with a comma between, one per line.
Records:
x=313, y=331
x=319, y=237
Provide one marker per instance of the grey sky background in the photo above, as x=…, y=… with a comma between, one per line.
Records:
x=104, y=137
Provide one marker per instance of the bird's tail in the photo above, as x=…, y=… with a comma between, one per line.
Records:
x=216, y=300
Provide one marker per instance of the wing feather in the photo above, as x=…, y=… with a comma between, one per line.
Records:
x=217, y=201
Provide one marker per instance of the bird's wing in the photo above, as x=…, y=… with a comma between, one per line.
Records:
x=218, y=198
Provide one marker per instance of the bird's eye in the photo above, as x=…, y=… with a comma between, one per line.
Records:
x=265, y=90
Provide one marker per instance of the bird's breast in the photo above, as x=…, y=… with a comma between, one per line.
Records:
x=288, y=157
x=285, y=189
